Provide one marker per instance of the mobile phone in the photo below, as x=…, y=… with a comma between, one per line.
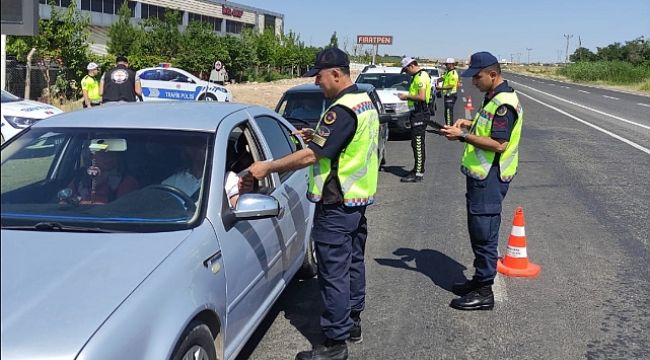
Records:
x=436, y=125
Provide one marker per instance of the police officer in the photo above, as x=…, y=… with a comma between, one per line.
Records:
x=120, y=84
x=449, y=89
x=489, y=164
x=418, y=98
x=90, y=87
x=342, y=152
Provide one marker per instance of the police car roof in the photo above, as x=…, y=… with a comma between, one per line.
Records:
x=316, y=88
x=181, y=115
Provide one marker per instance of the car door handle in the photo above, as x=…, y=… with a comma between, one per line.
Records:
x=281, y=212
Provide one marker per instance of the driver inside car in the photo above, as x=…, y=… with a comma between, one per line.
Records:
x=110, y=181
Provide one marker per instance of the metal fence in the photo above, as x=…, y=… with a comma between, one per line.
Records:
x=39, y=87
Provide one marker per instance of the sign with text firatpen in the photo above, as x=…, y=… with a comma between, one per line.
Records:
x=375, y=39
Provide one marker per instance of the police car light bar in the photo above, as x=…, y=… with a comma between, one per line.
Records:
x=165, y=65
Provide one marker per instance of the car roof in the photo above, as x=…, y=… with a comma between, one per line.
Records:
x=384, y=69
x=181, y=115
x=316, y=88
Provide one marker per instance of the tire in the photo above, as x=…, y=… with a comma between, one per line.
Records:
x=208, y=97
x=197, y=340
x=309, y=267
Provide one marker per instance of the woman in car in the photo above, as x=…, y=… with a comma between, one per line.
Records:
x=109, y=179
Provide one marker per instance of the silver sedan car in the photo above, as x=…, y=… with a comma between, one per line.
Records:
x=128, y=233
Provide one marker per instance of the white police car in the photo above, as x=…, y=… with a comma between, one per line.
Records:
x=167, y=83
x=19, y=114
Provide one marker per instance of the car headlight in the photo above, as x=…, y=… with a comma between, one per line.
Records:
x=401, y=107
x=20, y=122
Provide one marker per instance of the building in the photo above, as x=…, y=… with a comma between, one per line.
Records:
x=226, y=17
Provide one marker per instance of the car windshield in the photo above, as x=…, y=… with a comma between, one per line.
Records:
x=106, y=179
x=433, y=72
x=386, y=81
x=303, y=108
x=9, y=97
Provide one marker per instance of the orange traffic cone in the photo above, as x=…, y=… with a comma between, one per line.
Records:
x=469, y=105
x=515, y=263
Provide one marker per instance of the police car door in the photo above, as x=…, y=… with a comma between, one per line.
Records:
x=177, y=86
x=290, y=189
x=151, y=84
x=251, y=248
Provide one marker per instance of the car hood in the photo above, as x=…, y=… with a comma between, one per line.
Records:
x=59, y=287
x=29, y=109
x=388, y=96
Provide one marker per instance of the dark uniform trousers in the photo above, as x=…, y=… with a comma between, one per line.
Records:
x=340, y=234
x=418, y=121
x=484, y=198
x=450, y=101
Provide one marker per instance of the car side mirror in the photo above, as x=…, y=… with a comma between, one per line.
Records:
x=256, y=206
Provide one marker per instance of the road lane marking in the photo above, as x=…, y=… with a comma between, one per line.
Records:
x=610, y=97
x=588, y=108
x=631, y=143
x=550, y=84
x=642, y=104
x=566, y=87
x=586, y=92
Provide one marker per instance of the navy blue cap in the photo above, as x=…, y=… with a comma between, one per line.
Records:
x=327, y=59
x=478, y=62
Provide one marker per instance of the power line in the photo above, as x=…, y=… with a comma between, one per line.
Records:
x=528, y=50
x=568, y=37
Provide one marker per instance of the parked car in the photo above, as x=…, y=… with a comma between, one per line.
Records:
x=19, y=114
x=304, y=104
x=169, y=83
x=103, y=258
x=390, y=81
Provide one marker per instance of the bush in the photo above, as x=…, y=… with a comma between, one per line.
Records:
x=614, y=72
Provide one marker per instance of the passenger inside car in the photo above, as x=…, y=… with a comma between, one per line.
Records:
x=238, y=160
x=188, y=178
x=102, y=182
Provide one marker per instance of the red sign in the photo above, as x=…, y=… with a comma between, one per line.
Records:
x=375, y=39
x=231, y=11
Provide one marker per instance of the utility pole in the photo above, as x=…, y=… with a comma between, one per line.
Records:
x=512, y=59
x=568, y=37
x=528, y=50
x=519, y=58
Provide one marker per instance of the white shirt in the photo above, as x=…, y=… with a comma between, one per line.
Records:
x=231, y=184
x=184, y=181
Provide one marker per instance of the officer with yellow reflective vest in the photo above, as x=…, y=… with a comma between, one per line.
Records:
x=449, y=89
x=342, y=152
x=90, y=87
x=489, y=164
x=418, y=98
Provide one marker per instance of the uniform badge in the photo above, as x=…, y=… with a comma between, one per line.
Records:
x=330, y=118
x=323, y=131
x=502, y=110
x=319, y=140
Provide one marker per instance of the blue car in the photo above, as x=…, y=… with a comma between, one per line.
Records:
x=127, y=233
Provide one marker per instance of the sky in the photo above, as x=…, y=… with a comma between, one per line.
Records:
x=436, y=29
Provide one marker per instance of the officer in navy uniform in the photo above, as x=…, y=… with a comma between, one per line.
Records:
x=120, y=84
x=489, y=163
x=340, y=227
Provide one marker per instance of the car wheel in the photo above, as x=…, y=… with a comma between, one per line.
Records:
x=197, y=344
x=207, y=97
x=309, y=267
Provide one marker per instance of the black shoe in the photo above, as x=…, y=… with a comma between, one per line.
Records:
x=411, y=178
x=329, y=350
x=355, y=333
x=464, y=288
x=479, y=299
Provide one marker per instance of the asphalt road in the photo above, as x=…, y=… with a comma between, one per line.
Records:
x=583, y=184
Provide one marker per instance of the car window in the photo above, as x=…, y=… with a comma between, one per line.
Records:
x=386, y=81
x=173, y=76
x=117, y=179
x=150, y=75
x=278, y=139
x=302, y=109
x=9, y=97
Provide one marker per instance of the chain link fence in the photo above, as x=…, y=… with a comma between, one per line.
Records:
x=39, y=84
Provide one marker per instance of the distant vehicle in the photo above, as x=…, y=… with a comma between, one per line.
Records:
x=19, y=114
x=168, y=83
x=390, y=81
x=303, y=106
x=105, y=258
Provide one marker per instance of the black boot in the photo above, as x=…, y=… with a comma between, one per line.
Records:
x=329, y=350
x=464, y=288
x=479, y=299
x=355, y=333
x=411, y=178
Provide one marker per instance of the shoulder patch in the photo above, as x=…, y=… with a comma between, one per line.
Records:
x=329, y=118
x=502, y=110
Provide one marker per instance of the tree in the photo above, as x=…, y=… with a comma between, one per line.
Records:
x=334, y=41
x=200, y=48
x=583, y=54
x=122, y=34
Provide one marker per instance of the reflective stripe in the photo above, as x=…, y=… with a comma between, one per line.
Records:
x=361, y=172
x=518, y=231
x=516, y=252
